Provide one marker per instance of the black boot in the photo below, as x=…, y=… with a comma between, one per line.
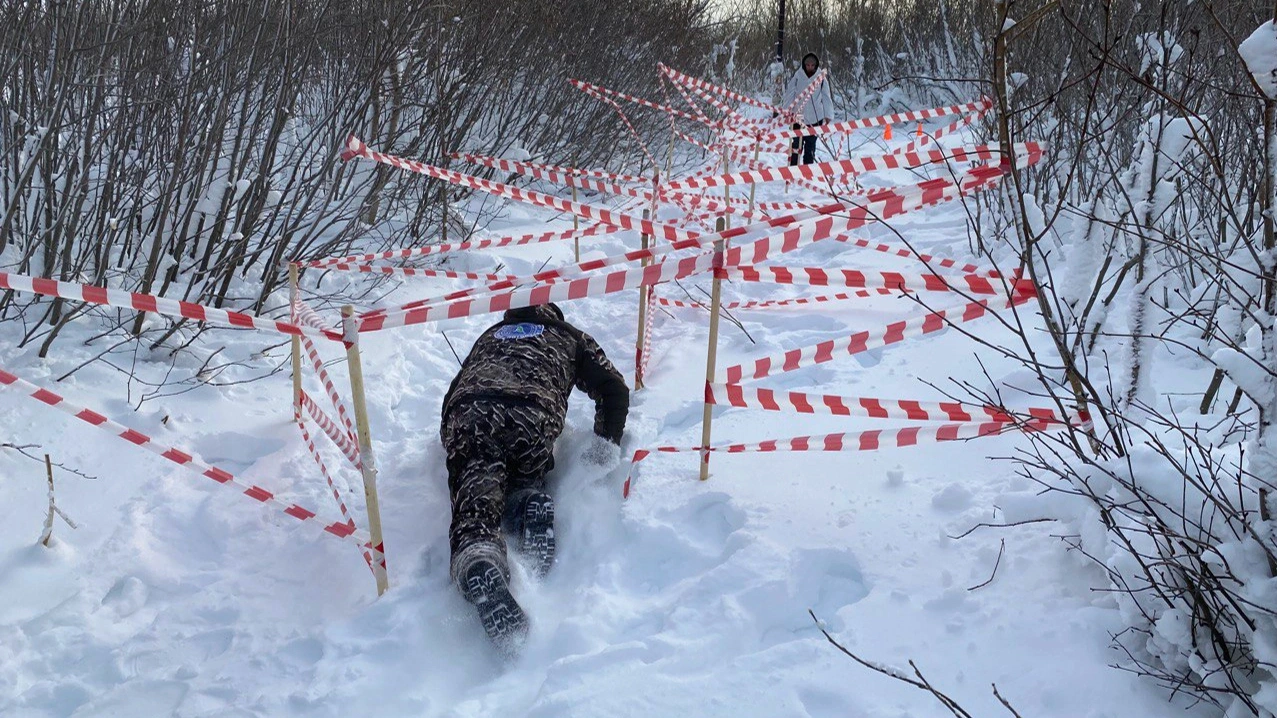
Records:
x=486, y=586
x=531, y=520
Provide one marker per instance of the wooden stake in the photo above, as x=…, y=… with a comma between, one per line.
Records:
x=47, y=534
x=576, y=224
x=641, y=335
x=297, y=342
x=712, y=354
x=369, y=464
x=753, y=186
x=727, y=194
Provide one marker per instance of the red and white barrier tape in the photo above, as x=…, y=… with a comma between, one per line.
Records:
x=797, y=230
x=301, y=311
x=928, y=259
x=769, y=303
x=929, y=137
x=850, y=125
x=349, y=448
x=805, y=403
x=530, y=168
x=419, y=272
x=579, y=288
x=879, y=206
x=332, y=486
x=603, y=93
x=356, y=148
x=156, y=305
x=705, y=85
x=182, y=458
x=856, y=279
x=895, y=332
x=536, y=238
x=871, y=440
x=857, y=165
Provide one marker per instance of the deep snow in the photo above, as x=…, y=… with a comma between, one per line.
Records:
x=177, y=597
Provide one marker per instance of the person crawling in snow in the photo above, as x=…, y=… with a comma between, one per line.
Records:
x=500, y=419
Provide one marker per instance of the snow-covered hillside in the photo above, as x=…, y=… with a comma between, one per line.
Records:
x=176, y=596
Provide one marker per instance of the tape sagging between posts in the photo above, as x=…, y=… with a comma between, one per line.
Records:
x=467, y=245
x=871, y=440
x=801, y=227
x=924, y=258
x=855, y=166
x=690, y=81
x=849, y=125
x=855, y=279
x=805, y=403
x=769, y=303
x=349, y=448
x=877, y=207
x=184, y=459
x=356, y=148
x=895, y=332
x=530, y=168
x=565, y=290
x=418, y=272
x=153, y=304
x=602, y=93
x=323, y=470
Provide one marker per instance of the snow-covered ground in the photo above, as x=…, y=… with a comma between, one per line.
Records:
x=176, y=596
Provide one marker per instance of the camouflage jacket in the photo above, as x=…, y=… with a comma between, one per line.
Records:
x=535, y=357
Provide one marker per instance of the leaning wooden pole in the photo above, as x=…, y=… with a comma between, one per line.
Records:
x=293, y=297
x=711, y=356
x=368, y=465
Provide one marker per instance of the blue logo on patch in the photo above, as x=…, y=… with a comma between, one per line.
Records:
x=522, y=330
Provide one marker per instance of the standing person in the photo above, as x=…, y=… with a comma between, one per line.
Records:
x=817, y=110
x=500, y=419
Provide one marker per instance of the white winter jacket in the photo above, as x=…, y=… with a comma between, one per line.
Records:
x=820, y=106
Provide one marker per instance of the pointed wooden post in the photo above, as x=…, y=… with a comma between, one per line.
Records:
x=712, y=354
x=297, y=341
x=576, y=224
x=727, y=191
x=368, y=464
x=641, y=334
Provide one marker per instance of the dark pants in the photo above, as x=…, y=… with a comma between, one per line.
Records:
x=495, y=450
x=808, y=143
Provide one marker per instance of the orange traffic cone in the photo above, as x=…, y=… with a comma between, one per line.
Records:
x=920, y=129
x=886, y=133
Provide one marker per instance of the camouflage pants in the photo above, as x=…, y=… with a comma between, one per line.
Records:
x=495, y=449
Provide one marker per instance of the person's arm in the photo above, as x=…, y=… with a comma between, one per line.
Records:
x=597, y=377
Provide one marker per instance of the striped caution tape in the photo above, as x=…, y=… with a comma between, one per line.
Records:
x=706, y=85
x=880, y=120
x=873, y=408
x=536, y=238
x=156, y=305
x=854, y=278
x=332, y=486
x=871, y=440
x=856, y=165
x=182, y=458
x=566, y=290
x=895, y=332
